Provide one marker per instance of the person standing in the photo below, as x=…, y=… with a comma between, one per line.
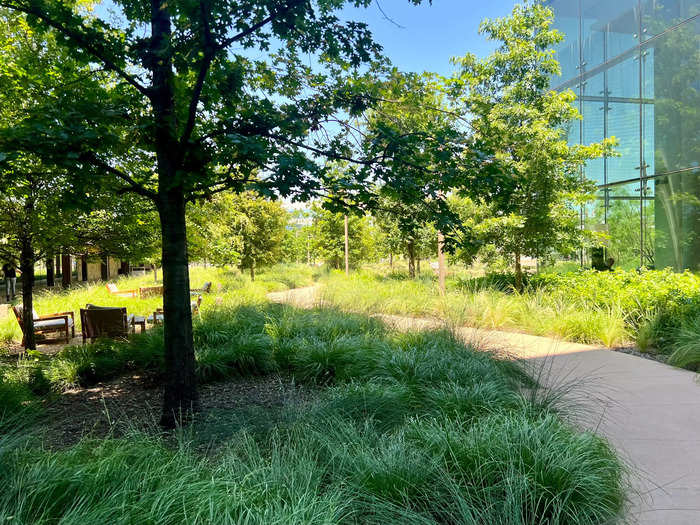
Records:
x=9, y=269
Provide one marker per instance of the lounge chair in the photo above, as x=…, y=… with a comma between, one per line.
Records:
x=103, y=321
x=150, y=291
x=121, y=293
x=206, y=288
x=62, y=322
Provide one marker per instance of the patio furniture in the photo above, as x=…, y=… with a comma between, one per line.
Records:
x=61, y=322
x=150, y=291
x=158, y=316
x=206, y=288
x=103, y=321
x=137, y=320
x=121, y=293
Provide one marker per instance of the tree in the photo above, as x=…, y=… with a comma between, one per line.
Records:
x=533, y=186
x=261, y=227
x=187, y=113
x=328, y=237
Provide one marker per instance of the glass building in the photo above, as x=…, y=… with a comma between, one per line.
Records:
x=635, y=67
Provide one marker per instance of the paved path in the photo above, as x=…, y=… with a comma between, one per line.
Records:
x=649, y=411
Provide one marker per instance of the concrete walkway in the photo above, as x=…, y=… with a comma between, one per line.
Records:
x=649, y=411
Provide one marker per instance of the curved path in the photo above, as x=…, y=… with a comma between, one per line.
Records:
x=649, y=411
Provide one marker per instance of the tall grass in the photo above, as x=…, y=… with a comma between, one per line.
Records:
x=407, y=428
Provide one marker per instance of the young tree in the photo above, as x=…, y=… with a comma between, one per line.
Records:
x=261, y=227
x=533, y=186
x=328, y=237
x=188, y=113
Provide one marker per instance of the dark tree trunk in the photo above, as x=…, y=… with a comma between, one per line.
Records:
x=84, y=267
x=104, y=269
x=65, y=270
x=518, y=274
x=58, y=266
x=50, y=278
x=252, y=271
x=411, y=249
x=418, y=265
x=125, y=267
x=26, y=265
x=180, y=397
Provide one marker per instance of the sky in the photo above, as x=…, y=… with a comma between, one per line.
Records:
x=429, y=36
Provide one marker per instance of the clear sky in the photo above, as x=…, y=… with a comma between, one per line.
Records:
x=430, y=35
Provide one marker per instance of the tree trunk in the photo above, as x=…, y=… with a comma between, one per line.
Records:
x=252, y=271
x=411, y=249
x=26, y=265
x=518, y=274
x=155, y=273
x=84, y=267
x=66, y=270
x=442, y=270
x=50, y=278
x=418, y=265
x=180, y=397
x=347, y=248
x=391, y=261
x=58, y=265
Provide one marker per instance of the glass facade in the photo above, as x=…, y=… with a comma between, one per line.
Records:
x=635, y=67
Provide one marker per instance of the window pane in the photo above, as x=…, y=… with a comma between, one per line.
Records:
x=566, y=21
x=659, y=15
x=609, y=29
x=623, y=225
x=677, y=221
x=670, y=65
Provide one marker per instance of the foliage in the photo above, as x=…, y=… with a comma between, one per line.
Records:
x=328, y=237
x=411, y=428
x=523, y=126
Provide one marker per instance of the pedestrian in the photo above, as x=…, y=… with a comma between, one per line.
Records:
x=9, y=269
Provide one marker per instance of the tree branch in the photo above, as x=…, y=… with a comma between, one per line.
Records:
x=134, y=187
x=80, y=39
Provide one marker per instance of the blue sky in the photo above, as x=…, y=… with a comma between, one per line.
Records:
x=430, y=35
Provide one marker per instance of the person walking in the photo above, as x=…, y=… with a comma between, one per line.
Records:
x=9, y=269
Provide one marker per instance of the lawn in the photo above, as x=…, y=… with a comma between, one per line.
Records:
x=397, y=428
x=659, y=311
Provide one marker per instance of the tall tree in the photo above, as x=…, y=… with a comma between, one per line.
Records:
x=189, y=102
x=533, y=185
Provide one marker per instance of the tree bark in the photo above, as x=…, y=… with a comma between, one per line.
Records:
x=411, y=249
x=26, y=265
x=391, y=261
x=50, y=278
x=518, y=274
x=418, y=265
x=66, y=271
x=252, y=271
x=180, y=397
x=442, y=270
x=347, y=248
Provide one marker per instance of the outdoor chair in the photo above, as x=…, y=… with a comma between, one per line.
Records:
x=62, y=322
x=104, y=321
x=158, y=316
x=150, y=291
x=206, y=288
x=121, y=293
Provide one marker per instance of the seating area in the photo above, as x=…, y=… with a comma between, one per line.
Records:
x=103, y=321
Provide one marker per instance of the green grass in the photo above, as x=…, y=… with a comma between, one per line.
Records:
x=608, y=308
x=404, y=428
x=226, y=282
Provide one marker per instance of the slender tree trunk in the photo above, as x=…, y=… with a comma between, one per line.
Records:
x=26, y=265
x=442, y=270
x=58, y=265
x=84, y=267
x=50, y=278
x=252, y=271
x=418, y=265
x=391, y=261
x=347, y=248
x=180, y=397
x=411, y=249
x=66, y=270
x=155, y=273
x=518, y=273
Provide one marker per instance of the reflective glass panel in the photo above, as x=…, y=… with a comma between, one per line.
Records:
x=609, y=29
x=566, y=20
x=623, y=224
x=659, y=15
x=670, y=65
x=677, y=221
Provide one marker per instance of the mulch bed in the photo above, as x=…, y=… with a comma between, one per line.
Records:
x=132, y=403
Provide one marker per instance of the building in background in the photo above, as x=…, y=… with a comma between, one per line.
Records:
x=635, y=67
